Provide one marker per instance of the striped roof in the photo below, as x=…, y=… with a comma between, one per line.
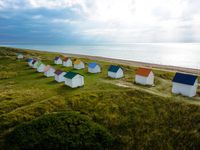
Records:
x=143, y=72
x=70, y=75
x=92, y=65
x=184, y=78
x=58, y=72
x=113, y=68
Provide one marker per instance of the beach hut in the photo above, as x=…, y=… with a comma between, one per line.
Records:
x=57, y=60
x=78, y=64
x=73, y=79
x=94, y=67
x=144, y=76
x=30, y=61
x=49, y=71
x=185, y=84
x=59, y=76
x=67, y=62
x=40, y=67
x=34, y=63
x=115, y=72
x=20, y=56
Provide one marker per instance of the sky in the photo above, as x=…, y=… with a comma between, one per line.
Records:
x=99, y=21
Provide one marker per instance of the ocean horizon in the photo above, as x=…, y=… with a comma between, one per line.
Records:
x=171, y=54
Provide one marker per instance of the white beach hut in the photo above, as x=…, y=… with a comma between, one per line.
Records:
x=59, y=76
x=144, y=76
x=49, y=71
x=30, y=61
x=57, y=60
x=67, y=62
x=40, y=67
x=20, y=56
x=34, y=63
x=115, y=72
x=73, y=79
x=78, y=64
x=94, y=67
x=185, y=84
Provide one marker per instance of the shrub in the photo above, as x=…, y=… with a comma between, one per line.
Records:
x=59, y=131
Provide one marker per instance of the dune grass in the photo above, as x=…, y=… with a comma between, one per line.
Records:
x=137, y=116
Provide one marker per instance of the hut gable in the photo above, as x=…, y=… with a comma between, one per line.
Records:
x=185, y=84
x=49, y=71
x=113, y=68
x=73, y=79
x=144, y=76
x=115, y=72
x=93, y=67
x=78, y=64
x=57, y=60
x=185, y=79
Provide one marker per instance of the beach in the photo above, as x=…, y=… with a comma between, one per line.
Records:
x=136, y=63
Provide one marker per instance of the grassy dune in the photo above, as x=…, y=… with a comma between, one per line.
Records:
x=138, y=117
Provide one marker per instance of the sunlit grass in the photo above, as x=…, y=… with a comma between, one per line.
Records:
x=139, y=117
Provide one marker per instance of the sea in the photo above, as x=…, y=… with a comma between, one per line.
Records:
x=174, y=54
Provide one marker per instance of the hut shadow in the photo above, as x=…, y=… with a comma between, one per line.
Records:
x=28, y=68
x=63, y=89
x=53, y=82
x=31, y=73
x=40, y=77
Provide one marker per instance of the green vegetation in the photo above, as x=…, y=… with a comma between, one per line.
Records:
x=59, y=131
x=138, y=117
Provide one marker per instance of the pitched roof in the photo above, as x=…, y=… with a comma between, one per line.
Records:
x=34, y=61
x=113, y=68
x=77, y=61
x=92, y=65
x=29, y=59
x=65, y=59
x=184, y=78
x=47, y=68
x=56, y=58
x=19, y=54
x=39, y=63
x=70, y=75
x=143, y=72
x=58, y=72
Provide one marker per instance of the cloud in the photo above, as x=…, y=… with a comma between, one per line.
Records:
x=37, y=16
x=48, y=4
x=52, y=4
x=64, y=21
x=115, y=20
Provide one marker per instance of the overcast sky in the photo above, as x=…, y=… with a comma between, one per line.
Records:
x=98, y=21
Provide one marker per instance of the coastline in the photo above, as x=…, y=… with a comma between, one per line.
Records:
x=125, y=62
x=136, y=63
